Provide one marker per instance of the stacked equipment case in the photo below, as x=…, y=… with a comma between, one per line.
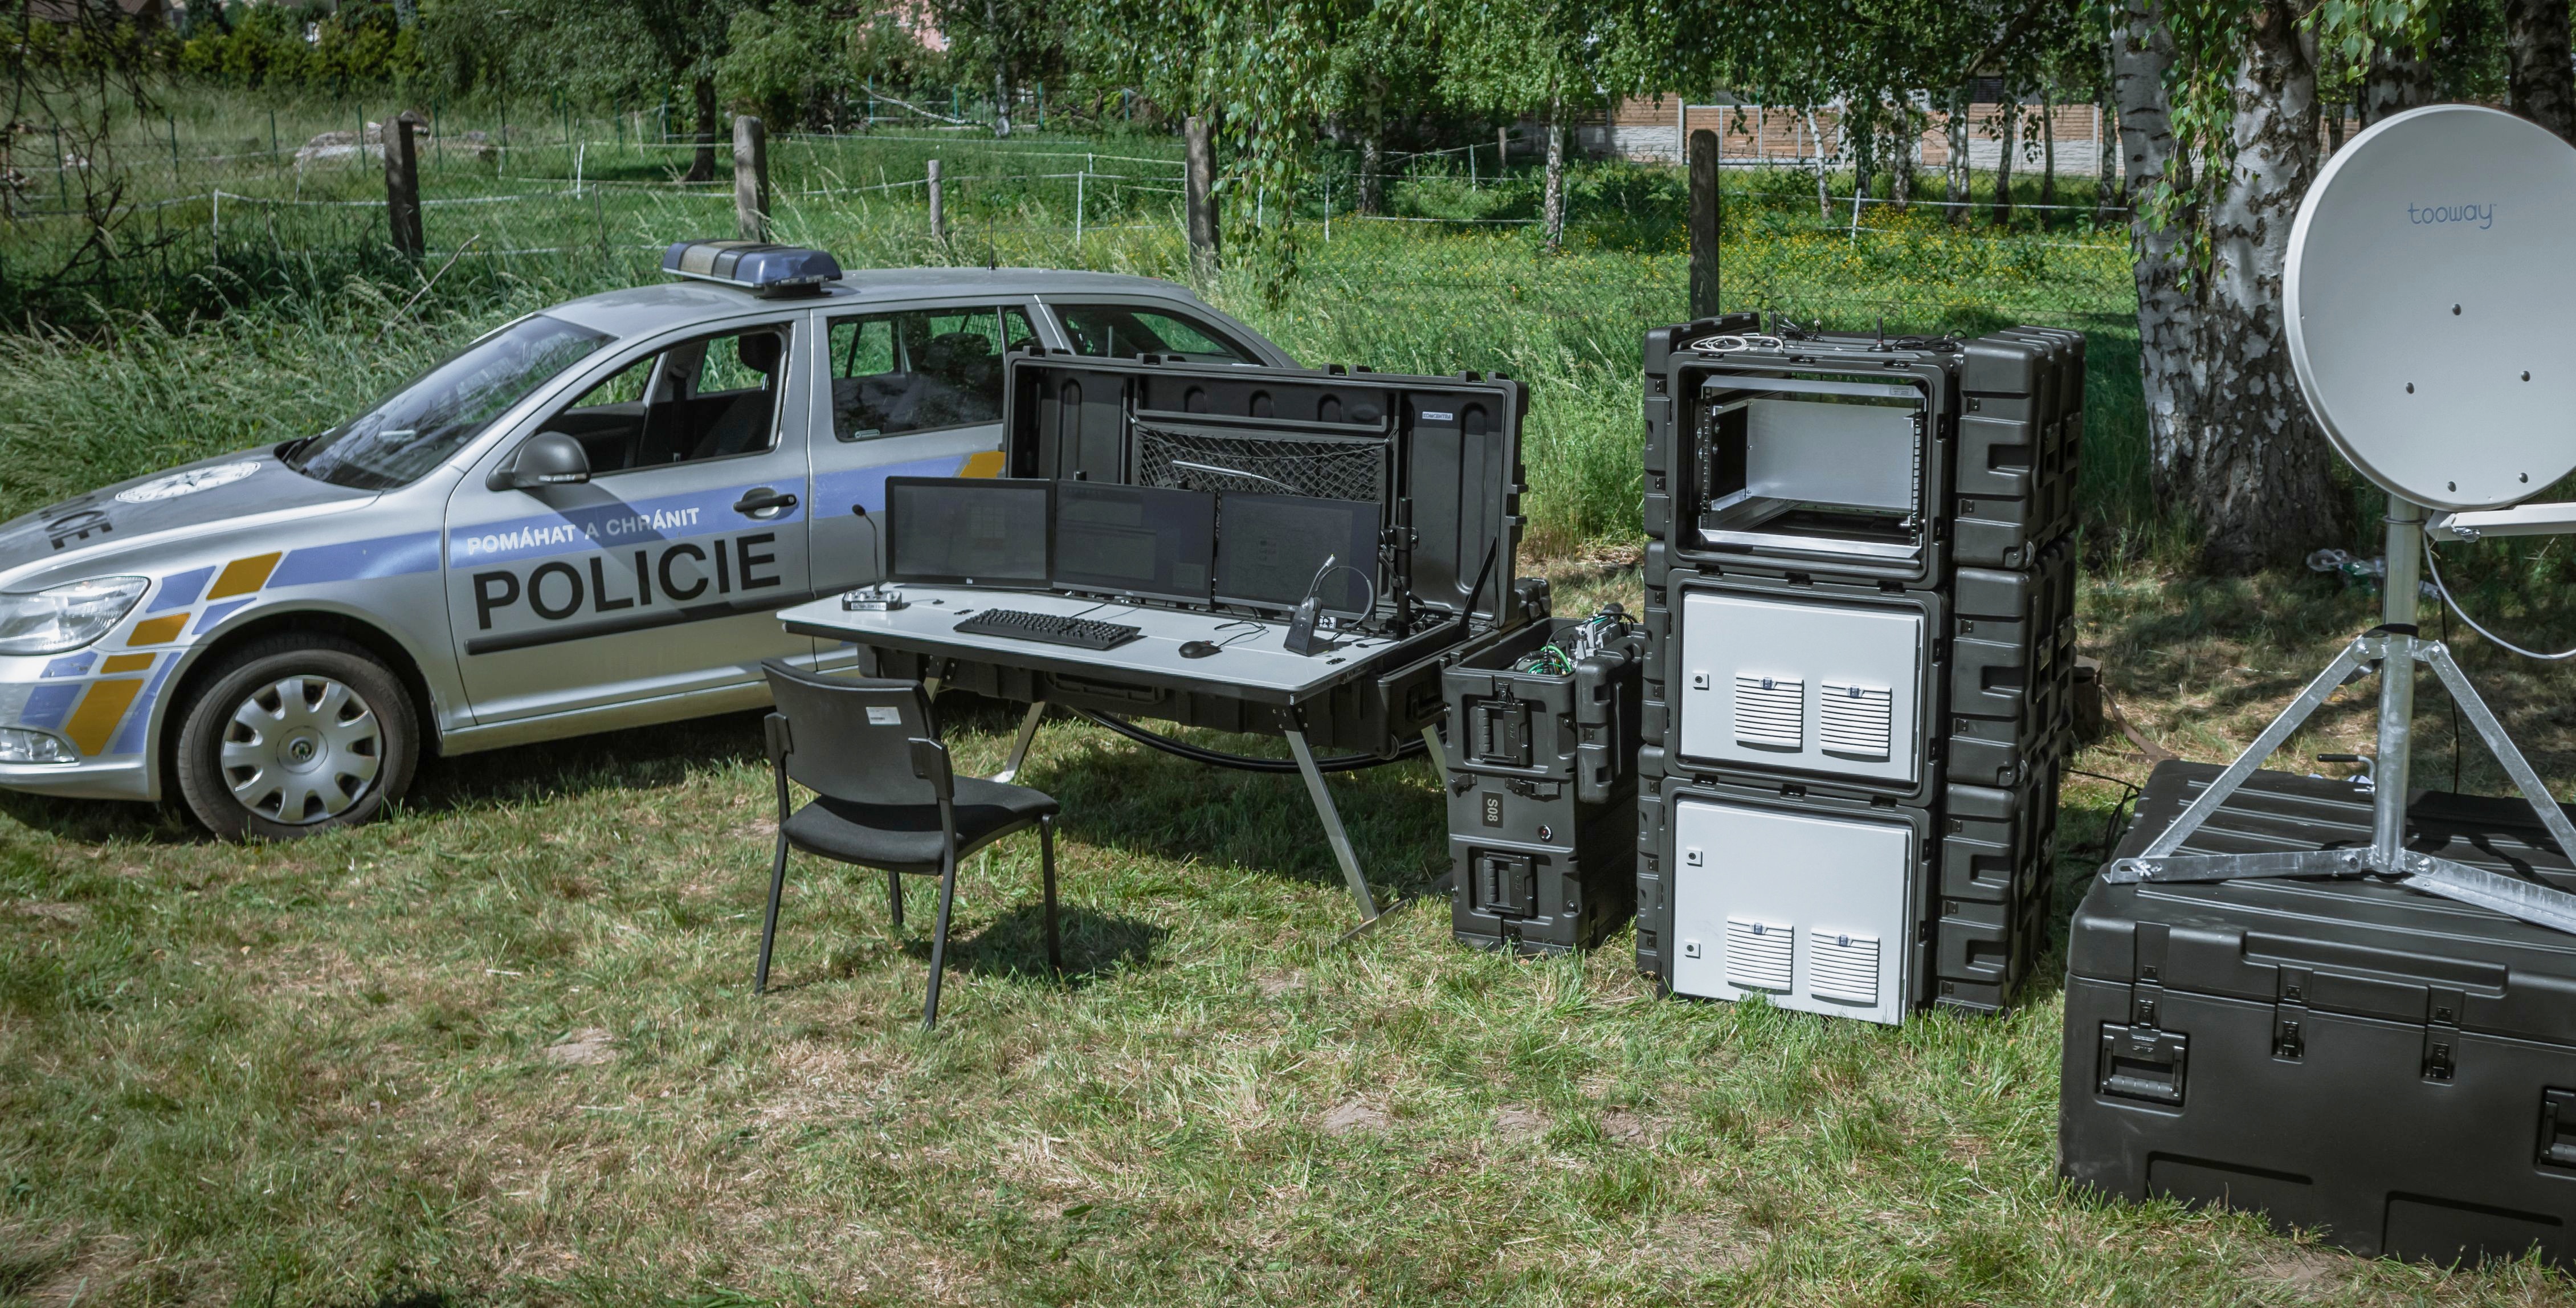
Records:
x=1542, y=760
x=1859, y=627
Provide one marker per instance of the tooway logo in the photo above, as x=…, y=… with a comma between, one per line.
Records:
x=2481, y=214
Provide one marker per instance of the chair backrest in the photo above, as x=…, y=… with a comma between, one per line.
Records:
x=849, y=737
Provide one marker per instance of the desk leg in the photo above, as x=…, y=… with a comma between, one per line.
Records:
x=1020, y=747
x=1439, y=757
x=1333, y=833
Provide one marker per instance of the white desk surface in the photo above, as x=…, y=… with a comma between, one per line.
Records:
x=1254, y=654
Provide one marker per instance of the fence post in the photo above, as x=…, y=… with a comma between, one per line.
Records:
x=402, y=185
x=1502, y=151
x=938, y=209
x=750, y=179
x=1078, y=180
x=1706, y=197
x=1199, y=198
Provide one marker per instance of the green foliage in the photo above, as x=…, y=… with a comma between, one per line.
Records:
x=785, y=64
x=266, y=47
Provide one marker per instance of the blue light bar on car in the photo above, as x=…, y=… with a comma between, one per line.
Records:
x=755, y=266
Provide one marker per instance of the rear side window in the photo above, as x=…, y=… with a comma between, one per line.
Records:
x=921, y=369
x=1123, y=331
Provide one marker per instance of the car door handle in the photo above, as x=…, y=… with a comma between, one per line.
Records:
x=761, y=501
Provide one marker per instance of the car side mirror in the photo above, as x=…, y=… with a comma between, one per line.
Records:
x=548, y=458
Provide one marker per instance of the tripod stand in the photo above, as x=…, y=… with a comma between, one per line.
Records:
x=2391, y=650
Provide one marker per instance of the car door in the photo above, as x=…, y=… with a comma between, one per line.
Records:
x=658, y=575
x=912, y=391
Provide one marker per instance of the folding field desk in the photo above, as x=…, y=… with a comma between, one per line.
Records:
x=1441, y=457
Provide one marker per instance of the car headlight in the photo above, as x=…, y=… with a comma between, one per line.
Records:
x=66, y=617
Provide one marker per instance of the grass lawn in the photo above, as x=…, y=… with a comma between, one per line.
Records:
x=500, y=1047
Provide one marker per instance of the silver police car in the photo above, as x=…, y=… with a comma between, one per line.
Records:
x=582, y=521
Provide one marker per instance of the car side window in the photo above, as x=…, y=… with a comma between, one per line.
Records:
x=709, y=397
x=921, y=369
x=1123, y=331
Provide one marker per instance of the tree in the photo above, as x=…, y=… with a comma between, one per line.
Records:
x=2542, y=80
x=1009, y=43
x=1549, y=58
x=2218, y=117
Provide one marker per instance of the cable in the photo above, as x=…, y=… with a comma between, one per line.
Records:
x=2449, y=603
x=1245, y=762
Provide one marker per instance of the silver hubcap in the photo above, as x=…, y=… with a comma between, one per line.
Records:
x=301, y=751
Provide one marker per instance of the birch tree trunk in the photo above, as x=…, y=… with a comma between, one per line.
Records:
x=2142, y=54
x=2047, y=152
x=1955, y=190
x=1908, y=140
x=2256, y=476
x=2399, y=78
x=2011, y=120
x=1552, y=208
x=1824, y=202
x=2106, y=149
x=2539, y=77
x=1372, y=158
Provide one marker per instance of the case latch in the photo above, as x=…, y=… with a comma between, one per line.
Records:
x=2142, y=1062
x=2558, y=1128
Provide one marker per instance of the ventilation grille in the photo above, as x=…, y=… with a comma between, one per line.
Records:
x=1859, y=720
x=1770, y=712
x=1271, y=463
x=1842, y=966
x=1758, y=954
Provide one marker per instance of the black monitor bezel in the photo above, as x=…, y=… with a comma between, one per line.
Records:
x=1056, y=579
x=1046, y=542
x=1369, y=566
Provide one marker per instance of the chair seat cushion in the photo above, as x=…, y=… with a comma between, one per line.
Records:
x=905, y=837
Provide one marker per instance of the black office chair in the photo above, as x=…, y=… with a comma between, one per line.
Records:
x=886, y=798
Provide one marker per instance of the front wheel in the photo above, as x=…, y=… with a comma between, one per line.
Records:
x=293, y=735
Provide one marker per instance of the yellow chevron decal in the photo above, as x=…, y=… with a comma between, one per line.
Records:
x=100, y=710
x=126, y=662
x=242, y=576
x=156, y=631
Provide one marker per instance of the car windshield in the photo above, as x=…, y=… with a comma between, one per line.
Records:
x=417, y=427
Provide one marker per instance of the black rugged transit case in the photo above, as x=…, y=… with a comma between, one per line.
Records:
x=2392, y=1070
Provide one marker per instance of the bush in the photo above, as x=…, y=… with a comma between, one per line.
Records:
x=302, y=48
x=784, y=65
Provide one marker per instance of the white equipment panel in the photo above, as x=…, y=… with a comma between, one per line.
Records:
x=1813, y=912
x=1806, y=685
x=2430, y=272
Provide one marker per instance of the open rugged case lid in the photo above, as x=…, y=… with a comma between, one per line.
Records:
x=1441, y=456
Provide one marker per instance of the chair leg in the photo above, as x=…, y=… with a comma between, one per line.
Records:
x=939, y=938
x=769, y=923
x=1046, y=878
x=894, y=897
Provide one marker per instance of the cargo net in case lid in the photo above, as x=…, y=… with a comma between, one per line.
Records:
x=1265, y=462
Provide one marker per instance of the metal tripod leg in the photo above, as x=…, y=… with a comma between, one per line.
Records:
x=2501, y=745
x=1333, y=833
x=2363, y=649
x=1020, y=747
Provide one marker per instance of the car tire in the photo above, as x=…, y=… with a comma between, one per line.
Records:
x=291, y=736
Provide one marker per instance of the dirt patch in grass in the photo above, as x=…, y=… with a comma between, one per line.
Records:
x=583, y=1047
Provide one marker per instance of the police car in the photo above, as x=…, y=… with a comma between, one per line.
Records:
x=582, y=521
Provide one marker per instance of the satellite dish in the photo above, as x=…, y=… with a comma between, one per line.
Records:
x=2431, y=305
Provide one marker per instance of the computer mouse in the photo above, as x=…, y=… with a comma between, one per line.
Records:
x=1198, y=649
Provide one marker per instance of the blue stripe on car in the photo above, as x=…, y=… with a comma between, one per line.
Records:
x=835, y=492
x=71, y=665
x=586, y=527
x=385, y=556
x=47, y=706
x=129, y=738
x=216, y=613
x=179, y=590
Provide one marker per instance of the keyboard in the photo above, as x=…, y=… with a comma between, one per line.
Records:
x=1054, y=629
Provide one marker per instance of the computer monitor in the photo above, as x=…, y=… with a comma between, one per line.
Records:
x=1269, y=546
x=1145, y=541
x=968, y=531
